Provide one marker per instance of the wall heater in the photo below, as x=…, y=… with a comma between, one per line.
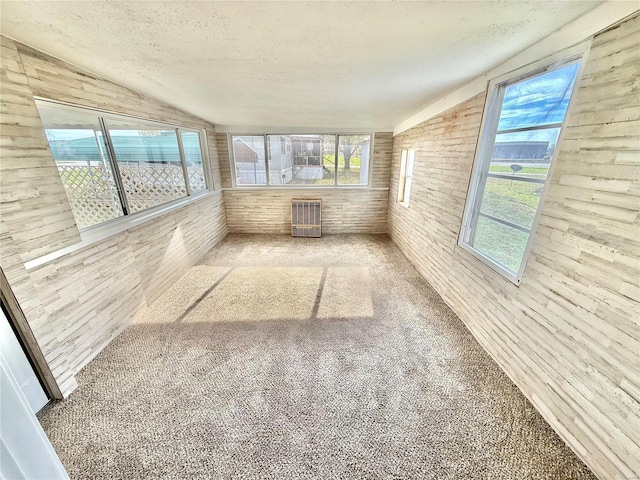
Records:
x=306, y=218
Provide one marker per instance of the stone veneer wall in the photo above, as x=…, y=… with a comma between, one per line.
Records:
x=569, y=335
x=77, y=304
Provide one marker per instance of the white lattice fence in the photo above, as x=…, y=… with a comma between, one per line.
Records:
x=93, y=196
x=92, y=193
x=149, y=186
x=196, y=178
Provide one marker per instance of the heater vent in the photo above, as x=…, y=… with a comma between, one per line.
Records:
x=306, y=218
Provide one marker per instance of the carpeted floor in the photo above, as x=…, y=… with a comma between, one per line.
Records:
x=283, y=358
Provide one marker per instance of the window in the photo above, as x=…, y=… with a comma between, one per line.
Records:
x=353, y=159
x=524, y=118
x=406, y=172
x=114, y=165
x=193, y=160
x=301, y=159
x=149, y=163
x=249, y=161
x=78, y=148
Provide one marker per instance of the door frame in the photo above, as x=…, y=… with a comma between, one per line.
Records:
x=27, y=339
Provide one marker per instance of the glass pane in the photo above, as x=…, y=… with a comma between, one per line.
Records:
x=403, y=175
x=193, y=159
x=248, y=158
x=353, y=159
x=511, y=200
x=313, y=159
x=280, y=162
x=149, y=161
x=538, y=100
x=328, y=160
x=502, y=243
x=79, y=151
x=524, y=154
x=301, y=159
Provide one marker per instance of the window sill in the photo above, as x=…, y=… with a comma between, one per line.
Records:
x=303, y=187
x=498, y=268
x=99, y=233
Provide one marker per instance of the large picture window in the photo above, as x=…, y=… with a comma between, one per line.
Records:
x=114, y=165
x=523, y=121
x=301, y=159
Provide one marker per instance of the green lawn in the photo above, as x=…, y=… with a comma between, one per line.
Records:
x=515, y=202
x=353, y=162
x=504, y=244
x=345, y=177
x=511, y=200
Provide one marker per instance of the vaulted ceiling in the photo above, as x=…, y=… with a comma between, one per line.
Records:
x=365, y=65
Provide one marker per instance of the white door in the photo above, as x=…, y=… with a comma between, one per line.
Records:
x=25, y=450
x=20, y=367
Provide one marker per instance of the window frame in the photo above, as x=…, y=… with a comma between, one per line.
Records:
x=486, y=139
x=407, y=161
x=102, y=118
x=267, y=158
x=202, y=140
x=232, y=162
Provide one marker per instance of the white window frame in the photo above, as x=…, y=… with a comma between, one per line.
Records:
x=484, y=148
x=232, y=161
x=202, y=140
x=268, y=184
x=128, y=218
x=407, y=159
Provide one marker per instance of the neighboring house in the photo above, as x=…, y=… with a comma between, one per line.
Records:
x=249, y=162
x=528, y=150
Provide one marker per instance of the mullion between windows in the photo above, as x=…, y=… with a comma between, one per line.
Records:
x=183, y=161
x=111, y=154
x=267, y=158
x=335, y=160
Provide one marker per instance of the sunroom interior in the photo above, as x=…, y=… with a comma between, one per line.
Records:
x=468, y=305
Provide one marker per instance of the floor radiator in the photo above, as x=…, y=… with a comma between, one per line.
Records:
x=306, y=218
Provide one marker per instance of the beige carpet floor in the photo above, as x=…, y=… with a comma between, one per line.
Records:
x=281, y=358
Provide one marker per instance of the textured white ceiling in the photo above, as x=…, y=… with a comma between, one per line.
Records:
x=366, y=65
